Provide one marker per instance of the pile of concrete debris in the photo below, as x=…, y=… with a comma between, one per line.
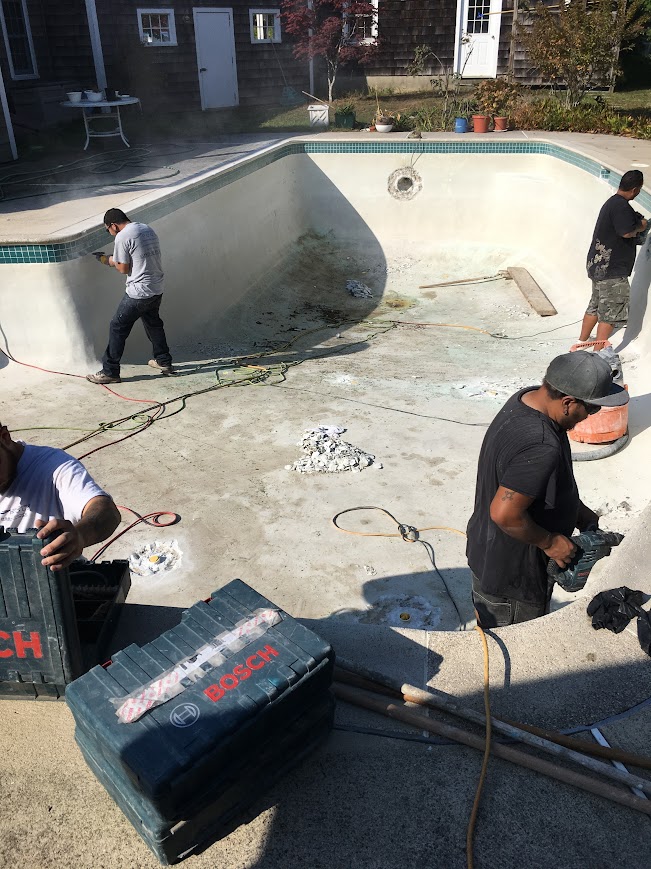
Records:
x=326, y=453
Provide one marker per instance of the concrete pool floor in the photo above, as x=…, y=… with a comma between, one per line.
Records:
x=407, y=395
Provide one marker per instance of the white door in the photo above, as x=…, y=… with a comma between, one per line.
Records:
x=213, y=31
x=478, y=37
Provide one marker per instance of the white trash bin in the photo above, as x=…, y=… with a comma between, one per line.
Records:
x=318, y=115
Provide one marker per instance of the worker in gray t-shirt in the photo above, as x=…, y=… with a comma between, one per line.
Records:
x=137, y=255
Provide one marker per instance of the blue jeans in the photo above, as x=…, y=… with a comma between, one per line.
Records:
x=128, y=312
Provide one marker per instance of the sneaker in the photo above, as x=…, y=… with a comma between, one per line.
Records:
x=102, y=378
x=164, y=369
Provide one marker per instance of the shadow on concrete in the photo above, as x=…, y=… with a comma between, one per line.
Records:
x=207, y=314
x=140, y=624
x=640, y=282
x=370, y=802
x=374, y=798
x=639, y=414
x=365, y=801
x=432, y=600
x=72, y=173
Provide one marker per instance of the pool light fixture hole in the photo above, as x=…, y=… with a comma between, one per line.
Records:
x=404, y=183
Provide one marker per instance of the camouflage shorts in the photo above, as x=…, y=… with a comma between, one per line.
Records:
x=609, y=301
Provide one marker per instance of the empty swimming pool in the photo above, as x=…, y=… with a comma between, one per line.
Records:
x=257, y=258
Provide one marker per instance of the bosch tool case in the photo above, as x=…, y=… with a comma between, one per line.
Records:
x=53, y=625
x=234, y=789
x=181, y=748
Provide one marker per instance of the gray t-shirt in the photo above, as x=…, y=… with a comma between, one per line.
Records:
x=137, y=245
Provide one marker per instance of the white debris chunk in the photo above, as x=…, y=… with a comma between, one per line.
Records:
x=326, y=453
x=359, y=290
x=157, y=557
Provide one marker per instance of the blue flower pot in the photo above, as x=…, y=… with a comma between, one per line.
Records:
x=460, y=125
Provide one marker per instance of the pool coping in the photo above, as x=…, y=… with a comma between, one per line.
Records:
x=580, y=150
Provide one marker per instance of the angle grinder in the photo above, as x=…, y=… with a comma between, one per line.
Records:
x=591, y=546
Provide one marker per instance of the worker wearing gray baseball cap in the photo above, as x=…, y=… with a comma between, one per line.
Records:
x=527, y=502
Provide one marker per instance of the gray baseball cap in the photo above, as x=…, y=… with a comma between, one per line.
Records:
x=586, y=376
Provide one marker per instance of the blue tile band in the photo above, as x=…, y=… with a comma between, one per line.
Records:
x=57, y=252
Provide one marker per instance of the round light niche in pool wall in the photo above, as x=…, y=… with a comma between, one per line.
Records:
x=404, y=183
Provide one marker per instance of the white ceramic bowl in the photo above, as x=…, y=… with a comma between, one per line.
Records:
x=93, y=96
x=125, y=96
x=384, y=128
x=74, y=96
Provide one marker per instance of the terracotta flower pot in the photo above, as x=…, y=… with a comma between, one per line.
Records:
x=480, y=123
x=500, y=124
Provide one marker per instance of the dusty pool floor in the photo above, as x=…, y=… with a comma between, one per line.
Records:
x=419, y=398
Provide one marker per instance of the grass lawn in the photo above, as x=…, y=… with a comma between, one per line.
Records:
x=630, y=100
x=295, y=120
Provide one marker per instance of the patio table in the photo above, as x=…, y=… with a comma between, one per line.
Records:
x=86, y=105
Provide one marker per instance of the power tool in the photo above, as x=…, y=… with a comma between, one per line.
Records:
x=591, y=545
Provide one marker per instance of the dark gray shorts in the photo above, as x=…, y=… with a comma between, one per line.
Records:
x=498, y=612
x=609, y=301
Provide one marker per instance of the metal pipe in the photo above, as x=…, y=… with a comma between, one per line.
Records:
x=530, y=736
x=400, y=712
x=601, y=739
x=96, y=43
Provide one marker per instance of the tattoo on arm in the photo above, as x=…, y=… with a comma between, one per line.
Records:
x=507, y=495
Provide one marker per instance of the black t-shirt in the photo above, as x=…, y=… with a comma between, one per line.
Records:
x=610, y=255
x=525, y=451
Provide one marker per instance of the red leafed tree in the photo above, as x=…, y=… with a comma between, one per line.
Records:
x=339, y=31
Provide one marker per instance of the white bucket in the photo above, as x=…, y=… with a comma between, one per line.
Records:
x=318, y=115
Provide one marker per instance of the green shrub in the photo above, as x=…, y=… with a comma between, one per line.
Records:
x=497, y=96
x=426, y=120
x=548, y=113
x=577, y=46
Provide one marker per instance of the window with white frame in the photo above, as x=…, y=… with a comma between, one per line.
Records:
x=265, y=25
x=361, y=29
x=18, y=39
x=156, y=26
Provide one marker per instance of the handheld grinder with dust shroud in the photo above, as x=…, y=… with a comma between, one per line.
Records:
x=591, y=546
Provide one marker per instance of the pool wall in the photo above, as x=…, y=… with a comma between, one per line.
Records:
x=224, y=233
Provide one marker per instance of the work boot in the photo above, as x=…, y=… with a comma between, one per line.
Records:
x=164, y=369
x=102, y=378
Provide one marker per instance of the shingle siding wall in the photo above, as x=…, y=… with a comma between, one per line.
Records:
x=168, y=76
x=405, y=24
x=63, y=60
x=522, y=69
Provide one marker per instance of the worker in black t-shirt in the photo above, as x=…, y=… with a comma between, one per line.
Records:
x=611, y=258
x=527, y=502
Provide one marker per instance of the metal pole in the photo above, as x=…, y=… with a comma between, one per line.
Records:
x=510, y=70
x=310, y=33
x=96, y=44
x=365, y=679
x=7, y=116
x=401, y=712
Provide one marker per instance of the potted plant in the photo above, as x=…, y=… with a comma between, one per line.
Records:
x=345, y=116
x=495, y=97
x=462, y=108
x=383, y=120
